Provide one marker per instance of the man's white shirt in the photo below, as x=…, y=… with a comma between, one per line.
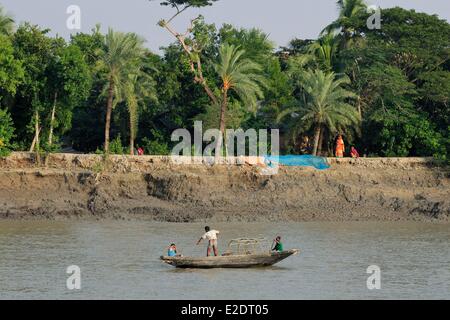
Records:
x=211, y=235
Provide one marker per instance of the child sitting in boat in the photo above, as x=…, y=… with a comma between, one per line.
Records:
x=172, y=250
x=278, y=245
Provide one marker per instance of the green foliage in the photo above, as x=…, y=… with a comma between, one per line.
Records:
x=11, y=71
x=88, y=121
x=236, y=116
x=99, y=167
x=6, y=133
x=123, y=53
x=69, y=84
x=6, y=23
x=116, y=146
x=138, y=89
x=403, y=90
x=324, y=106
x=190, y=3
x=387, y=90
x=34, y=49
x=155, y=147
x=349, y=12
x=122, y=58
x=241, y=75
x=434, y=91
x=325, y=50
x=401, y=132
x=254, y=42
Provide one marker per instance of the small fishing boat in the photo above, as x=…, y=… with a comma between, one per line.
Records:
x=242, y=258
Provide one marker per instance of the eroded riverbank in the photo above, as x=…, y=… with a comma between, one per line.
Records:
x=154, y=189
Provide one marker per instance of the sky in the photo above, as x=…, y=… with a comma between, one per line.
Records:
x=283, y=20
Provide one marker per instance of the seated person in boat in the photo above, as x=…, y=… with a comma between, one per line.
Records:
x=211, y=236
x=172, y=251
x=277, y=244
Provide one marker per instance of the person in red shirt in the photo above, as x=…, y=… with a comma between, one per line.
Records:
x=354, y=153
x=140, y=152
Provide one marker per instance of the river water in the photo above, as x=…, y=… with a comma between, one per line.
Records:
x=120, y=260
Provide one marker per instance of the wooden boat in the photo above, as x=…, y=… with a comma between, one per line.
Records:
x=240, y=259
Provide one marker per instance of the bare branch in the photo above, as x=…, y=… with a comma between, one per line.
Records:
x=195, y=65
x=178, y=12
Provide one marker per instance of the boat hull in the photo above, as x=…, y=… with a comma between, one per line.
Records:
x=233, y=261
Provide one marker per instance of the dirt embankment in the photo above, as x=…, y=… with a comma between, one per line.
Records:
x=153, y=188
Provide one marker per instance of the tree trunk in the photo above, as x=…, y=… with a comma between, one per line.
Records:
x=223, y=112
x=50, y=136
x=132, y=134
x=35, y=143
x=108, y=113
x=319, y=148
x=359, y=108
x=316, y=140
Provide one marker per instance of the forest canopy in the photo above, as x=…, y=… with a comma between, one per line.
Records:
x=386, y=91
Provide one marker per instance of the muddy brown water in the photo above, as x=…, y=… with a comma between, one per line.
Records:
x=120, y=260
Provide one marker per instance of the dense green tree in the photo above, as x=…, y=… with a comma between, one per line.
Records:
x=69, y=84
x=434, y=92
x=56, y=78
x=6, y=22
x=401, y=131
x=398, y=85
x=11, y=71
x=87, y=133
x=33, y=48
x=6, y=132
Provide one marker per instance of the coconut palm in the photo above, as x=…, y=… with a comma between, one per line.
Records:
x=348, y=10
x=325, y=51
x=6, y=22
x=137, y=89
x=326, y=105
x=240, y=75
x=123, y=53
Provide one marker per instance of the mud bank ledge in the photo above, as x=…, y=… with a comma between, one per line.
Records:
x=68, y=186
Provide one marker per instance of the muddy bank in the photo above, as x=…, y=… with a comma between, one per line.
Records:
x=153, y=188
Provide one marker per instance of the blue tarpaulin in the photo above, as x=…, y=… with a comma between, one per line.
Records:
x=319, y=163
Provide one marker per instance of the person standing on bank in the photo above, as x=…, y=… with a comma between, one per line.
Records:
x=340, y=147
x=211, y=236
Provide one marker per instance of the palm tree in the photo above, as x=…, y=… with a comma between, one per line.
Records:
x=6, y=23
x=137, y=88
x=243, y=76
x=325, y=51
x=326, y=106
x=122, y=54
x=348, y=10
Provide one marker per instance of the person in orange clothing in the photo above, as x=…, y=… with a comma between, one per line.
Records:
x=340, y=147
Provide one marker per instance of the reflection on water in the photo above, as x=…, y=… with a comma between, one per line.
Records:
x=120, y=260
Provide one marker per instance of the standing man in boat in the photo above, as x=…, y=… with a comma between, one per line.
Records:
x=211, y=236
